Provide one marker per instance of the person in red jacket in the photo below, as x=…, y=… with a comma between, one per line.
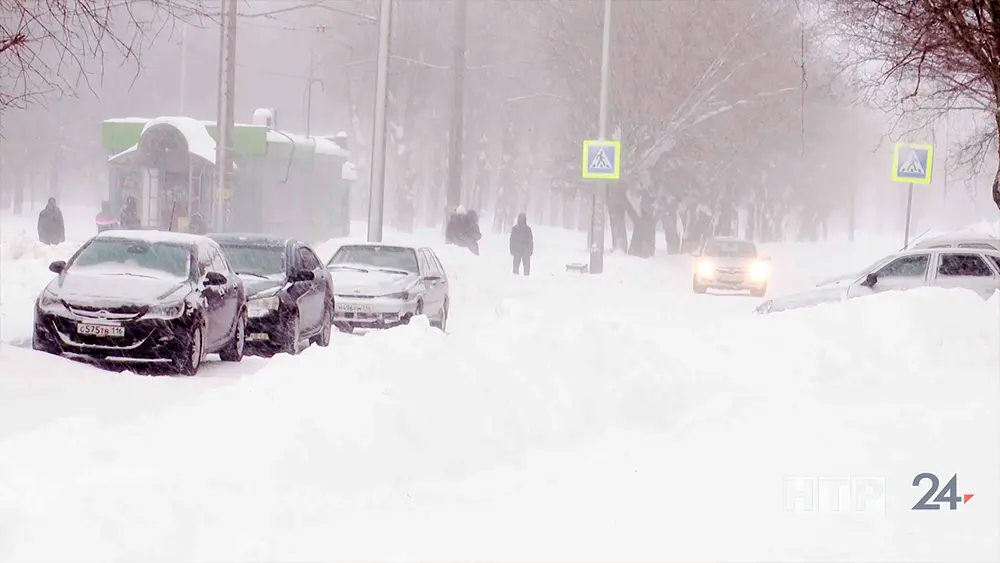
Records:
x=105, y=219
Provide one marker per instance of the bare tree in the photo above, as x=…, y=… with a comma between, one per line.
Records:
x=55, y=47
x=922, y=58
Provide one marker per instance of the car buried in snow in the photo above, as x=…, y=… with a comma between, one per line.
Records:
x=289, y=291
x=143, y=296
x=974, y=269
x=381, y=286
x=730, y=264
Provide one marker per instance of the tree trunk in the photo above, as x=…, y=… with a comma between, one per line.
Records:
x=643, y=243
x=671, y=238
x=617, y=201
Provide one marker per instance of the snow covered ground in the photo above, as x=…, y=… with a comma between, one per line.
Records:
x=563, y=417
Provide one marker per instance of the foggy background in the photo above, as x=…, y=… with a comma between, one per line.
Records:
x=726, y=111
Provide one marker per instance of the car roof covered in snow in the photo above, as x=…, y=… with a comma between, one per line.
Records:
x=957, y=240
x=380, y=245
x=250, y=239
x=170, y=237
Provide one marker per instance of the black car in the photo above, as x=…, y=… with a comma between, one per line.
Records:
x=289, y=291
x=146, y=296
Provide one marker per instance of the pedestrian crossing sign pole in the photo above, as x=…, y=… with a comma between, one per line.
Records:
x=601, y=160
x=911, y=164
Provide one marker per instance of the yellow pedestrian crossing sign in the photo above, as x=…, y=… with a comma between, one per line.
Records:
x=602, y=160
x=911, y=164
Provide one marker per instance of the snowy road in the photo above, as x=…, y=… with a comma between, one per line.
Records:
x=563, y=417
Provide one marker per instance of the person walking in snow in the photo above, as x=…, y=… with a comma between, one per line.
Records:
x=453, y=232
x=51, y=229
x=197, y=225
x=105, y=219
x=470, y=232
x=130, y=214
x=522, y=245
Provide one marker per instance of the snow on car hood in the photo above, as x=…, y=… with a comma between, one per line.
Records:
x=809, y=298
x=347, y=282
x=255, y=284
x=110, y=288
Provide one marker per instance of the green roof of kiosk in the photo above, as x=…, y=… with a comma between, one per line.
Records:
x=120, y=134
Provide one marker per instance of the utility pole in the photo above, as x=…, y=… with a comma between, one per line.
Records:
x=376, y=194
x=227, y=113
x=597, y=209
x=454, y=196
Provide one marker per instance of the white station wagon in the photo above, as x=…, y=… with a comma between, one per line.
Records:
x=970, y=268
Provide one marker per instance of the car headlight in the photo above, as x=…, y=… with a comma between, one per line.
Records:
x=166, y=311
x=706, y=268
x=404, y=295
x=48, y=300
x=263, y=303
x=759, y=271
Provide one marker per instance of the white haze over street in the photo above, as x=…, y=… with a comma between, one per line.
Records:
x=563, y=417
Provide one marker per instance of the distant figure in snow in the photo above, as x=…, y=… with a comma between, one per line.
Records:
x=470, y=232
x=197, y=225
x=105, y=219
x=51, y=229
x=130, y=214
x=453, y=232
x=522, y=245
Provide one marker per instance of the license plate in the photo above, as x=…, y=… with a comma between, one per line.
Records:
x=349, y=308
x=100, y=330
x=258, y=336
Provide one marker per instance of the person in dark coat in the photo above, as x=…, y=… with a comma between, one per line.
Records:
x=197, y=225
x=105, y=219
x=471, y=233
x=522, y=245
x=51, y=229
x=453, y=232
x=130, y=214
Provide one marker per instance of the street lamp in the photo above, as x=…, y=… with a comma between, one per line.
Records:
x=376, y=178
x=309, y=97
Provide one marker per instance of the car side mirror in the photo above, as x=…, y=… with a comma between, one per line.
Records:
x=303, y=276
x=870, y=280
x=215, y=278
x=57, y=267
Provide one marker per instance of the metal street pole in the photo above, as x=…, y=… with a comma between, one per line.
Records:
x=454, y=194
x=597, y=210
x=909, y=210
x=376, y=179
x=227, y=113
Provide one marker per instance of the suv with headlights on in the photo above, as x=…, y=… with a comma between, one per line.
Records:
x=731, y=264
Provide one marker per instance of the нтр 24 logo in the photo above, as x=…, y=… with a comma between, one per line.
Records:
x=948, y=494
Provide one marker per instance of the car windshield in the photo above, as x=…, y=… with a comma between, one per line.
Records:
x=136, y=257
x=256, y=260
x=377, y=257
x=731, y=249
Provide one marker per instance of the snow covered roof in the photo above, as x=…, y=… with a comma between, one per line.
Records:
x=321, y=145
x=200, y=142
x=152, y=236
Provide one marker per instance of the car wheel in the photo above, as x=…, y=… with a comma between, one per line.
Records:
x=758, y=292
x=233, y=352
x=323, y=338
x=442, y=323
x=189, y=360
x=293, y=346
x=697, y=287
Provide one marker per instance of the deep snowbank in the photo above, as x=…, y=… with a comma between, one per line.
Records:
x=357, y=441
